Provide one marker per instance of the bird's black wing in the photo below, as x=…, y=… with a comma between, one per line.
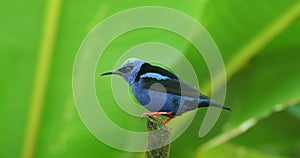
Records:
x=172, y=86
x=170, y=82
x=148, y=68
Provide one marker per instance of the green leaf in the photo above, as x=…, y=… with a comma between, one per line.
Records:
x=256, y=92
x=240, y=35
x=233, y=150
x=267, y=74
x=20, y=33
x=276, y=135
x=271, y=82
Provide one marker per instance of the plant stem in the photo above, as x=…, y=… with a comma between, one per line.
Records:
x=158, y=139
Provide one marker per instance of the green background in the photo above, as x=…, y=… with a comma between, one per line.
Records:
x=259, y=42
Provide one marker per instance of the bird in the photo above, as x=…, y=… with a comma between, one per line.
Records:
x=160, y=91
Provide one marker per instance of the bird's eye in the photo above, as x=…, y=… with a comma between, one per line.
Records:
x=126, y=69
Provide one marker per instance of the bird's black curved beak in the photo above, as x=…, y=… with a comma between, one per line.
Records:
x=111, y=73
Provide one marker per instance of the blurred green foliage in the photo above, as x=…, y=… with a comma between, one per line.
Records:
x=259, y=42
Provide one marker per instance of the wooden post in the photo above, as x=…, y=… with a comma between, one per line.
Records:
x=158, y=139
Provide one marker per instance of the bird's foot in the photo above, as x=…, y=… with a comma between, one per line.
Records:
x=155, y=114
x=167, y=120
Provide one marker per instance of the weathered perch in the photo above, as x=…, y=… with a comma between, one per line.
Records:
x=158, y=139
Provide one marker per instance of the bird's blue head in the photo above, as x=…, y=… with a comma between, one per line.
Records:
x=129, y=69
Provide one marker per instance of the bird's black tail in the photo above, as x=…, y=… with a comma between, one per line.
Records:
x=206, y=102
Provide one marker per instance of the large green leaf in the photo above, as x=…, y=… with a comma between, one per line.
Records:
x=264, y=36
x=20, y=33
x=270, y=81
x=277, y=135
x=240, y=34
x=256, y=92
x=232, y=150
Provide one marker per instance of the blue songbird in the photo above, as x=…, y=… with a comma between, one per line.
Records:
x=160, y=91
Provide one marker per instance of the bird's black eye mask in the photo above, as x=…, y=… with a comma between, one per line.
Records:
x=125, y=69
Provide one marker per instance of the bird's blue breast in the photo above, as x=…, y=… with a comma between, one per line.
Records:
x=161, y=101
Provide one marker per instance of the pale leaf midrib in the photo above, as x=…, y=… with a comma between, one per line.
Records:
x=41, y=77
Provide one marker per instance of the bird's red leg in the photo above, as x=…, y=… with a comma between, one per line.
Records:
x=155, y=114
x=167, y=120
x=151, y=114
